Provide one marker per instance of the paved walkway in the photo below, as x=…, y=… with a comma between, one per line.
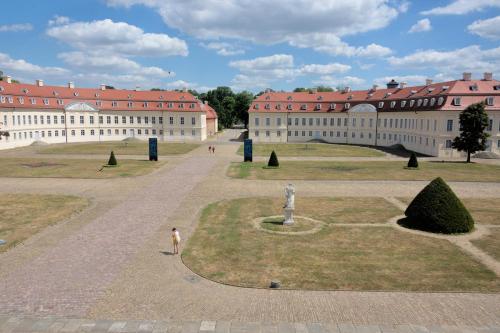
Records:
x=116, y=263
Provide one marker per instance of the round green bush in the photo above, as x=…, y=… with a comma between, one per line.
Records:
x=273, y=160
x=437, y=209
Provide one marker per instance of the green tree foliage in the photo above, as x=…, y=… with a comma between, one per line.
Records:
x=318, y=89
x=437, y=209
x=413, y=163
x=243, y=101
x=230, y=107
x=473, y=122
x=273, y=160
x=112, y=159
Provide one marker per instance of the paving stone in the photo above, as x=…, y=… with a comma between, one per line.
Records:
x=10, y=324
x=268, y=328
x=146, y=327
x=301, y=328
x=161, y=327
x=347, y=328
x=25, y=325
x=117, y=327
x=57, y=326
x=43, y=324
x=286, y=328
x=238, y=327
x=367, y=329
x=174, y=327
x=3, y=319
x=419, y=329
x=207, y=326
x=222, y=326
x=191, y=327
x=395, y=329
x=318, y=328
x=87, y=326
x=102, y=326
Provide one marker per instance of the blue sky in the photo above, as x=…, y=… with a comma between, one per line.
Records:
x=248, y=44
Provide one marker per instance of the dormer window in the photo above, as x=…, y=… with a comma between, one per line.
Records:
x=303, y=107
x=380, y=105
x=129, y=96
x=445, y=87
x=33, y=101
x=10, y=99
x=96, y=95
x=320, y=98
x=267, y=106
x=1, y=88
x=289, y=106
x=412, y=102
x=473, y=87
x=393, y=104
x=403, y=104
x=387, y=95
x=349, y=97
x=430, y=89
x=497, y=87
x=426, y=101
x=170, y=105
x=191, y=106
x=413, y=92
x=114, y=103
x=55, y=93
x=145, y=104
x=60, y=102
x=160, y=105
x=490, y=101
x=130, y=104
x=278, y=106
x=440, y=100
x=318, y=106
x=433, y=101
x=2, y=99
x=268, y=97
x=21, y=100
x=46, y=101
x=457, y=101
x=332, y=106
x=24, y=90
x=98, y=103
x=161, y=96
x=419, y=102
x=289, y=98
x=347, y=105
x=181, y=105
x=76, y=94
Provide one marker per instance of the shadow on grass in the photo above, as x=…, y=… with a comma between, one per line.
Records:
x=167, y=253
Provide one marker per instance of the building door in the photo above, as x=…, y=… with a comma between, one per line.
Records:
x=132, y=133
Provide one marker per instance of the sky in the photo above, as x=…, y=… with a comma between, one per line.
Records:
x=248, y=44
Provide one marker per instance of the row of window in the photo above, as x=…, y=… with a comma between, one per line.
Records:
x=35, y=119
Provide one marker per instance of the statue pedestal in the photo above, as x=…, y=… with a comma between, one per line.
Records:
x=288, y=216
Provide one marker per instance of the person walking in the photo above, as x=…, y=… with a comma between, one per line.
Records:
x=209, y=149
x=213, y=149
x=176, y=239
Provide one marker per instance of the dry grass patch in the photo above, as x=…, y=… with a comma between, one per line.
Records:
x=24, y=215
x=312, y=149
x=490, y=244
x=375, y=170
x=119, y=147
x=227, y=248
x=483, y=210
x=73, y=168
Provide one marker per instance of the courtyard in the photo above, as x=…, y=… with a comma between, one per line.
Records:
x=112, y=245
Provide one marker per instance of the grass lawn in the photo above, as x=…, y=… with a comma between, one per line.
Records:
x=73, y=168
x=376, y=170
x=483, y=210
x=312, y=149
x=226, y=248
x=490, y=244
x=23, y=215
x=119, y=147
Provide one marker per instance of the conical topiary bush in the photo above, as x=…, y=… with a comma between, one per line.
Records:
x=437, y=209
x=413, y=163
x=273, y=160
x=112, y=159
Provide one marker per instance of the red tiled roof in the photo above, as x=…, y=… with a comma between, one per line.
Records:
x=156, y=100
x=280, y=101
x=211, y=114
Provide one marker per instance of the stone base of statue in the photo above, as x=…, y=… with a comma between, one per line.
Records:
x=288, y=216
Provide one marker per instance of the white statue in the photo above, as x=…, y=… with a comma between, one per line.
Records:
x=290, y=204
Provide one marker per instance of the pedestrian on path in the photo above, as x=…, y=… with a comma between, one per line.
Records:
x=209, y=149
x=176, y=239
x=213, y=150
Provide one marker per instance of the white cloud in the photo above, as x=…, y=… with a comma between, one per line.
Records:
x=108, y=37
x=296, y=22
x=470, y=59
x=223, y=49
x=460, y=7
x=181, y=84
x=16, y=27
x=331, y=44
x=263, y=71
x=59, y=20
x=21, y=67
x=421, y=25
x=404, y=6
x=331, y=81
x=489, y=28
x=409, y=79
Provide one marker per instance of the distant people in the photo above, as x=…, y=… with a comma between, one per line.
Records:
x=176, y=239
x=213, y=150
x=209, y=149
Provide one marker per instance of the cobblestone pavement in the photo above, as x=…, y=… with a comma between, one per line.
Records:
x=57, y=325
x=115, y=263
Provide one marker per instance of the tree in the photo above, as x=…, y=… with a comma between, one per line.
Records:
x=215, y=99
x=324, y=89
x=243, y=101
x=300, y=89
x=228, y=116
x=473, y=122
x=112, y=159
x=413, y=163
x=437, y=209
x=273, y=160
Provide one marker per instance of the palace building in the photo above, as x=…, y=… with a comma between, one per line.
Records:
x=424, y=119
x=53, y=114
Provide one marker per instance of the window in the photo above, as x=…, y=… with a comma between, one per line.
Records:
x=256, y=133
x=33, y=101
x=145, y=104
x=171, y=120
x=72, y=132
x=56, y=133
x=303, y=133
x=449, y=125
x=138, y=120
x=182, y=120
x=154, y=131
x=193, y=120
x=146, y=120
x=457, y=101
x=303, y=107
x=363, y=122
x=440, y=100
x=278, y=122
x=448, y=144
x=92, y=132
x=403, y=104
x=303, y=121
x=109, y=132
x=153, y=120
x=490, y=101
x=325, y=122
x=393, y=104
x=124, y=120
x=181, y=106
x=347, y=105
x=124, y=131
x=412, y=102
x=101, y=132
x=72, y=119
x=289, y=106
x=426, y=101
x=114, y=103
x=46, y=101
x=116, y=119
x=91, y=120
x=490, y=125
x=193, y=132
x=267, y=133
x=256, y=121
x=62, y=120
x=82, y=120
x=82, y=132
x=117, y=132
x=380, y=105
x=318, y=106
x=130, y=104
x=310, y=121
x=317, y=121
x=419, y=102
x=131, y=119
x=333, y=106
x=160, y=120
x=433, y=101
x=108, y=119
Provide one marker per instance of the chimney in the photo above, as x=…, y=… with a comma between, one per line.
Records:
x=487, y=76
x=375, y=87
x=466, y=76
x=428, y=82
x=347, y=89
x=8, y=79
x=39, y=83
x=71, y=85
x=103, y=86
x=402, y=85
x=205, y=102
x=185, y=89
x=392, y=84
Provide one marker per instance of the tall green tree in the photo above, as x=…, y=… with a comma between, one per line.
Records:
x=243, y=101
x=228, y=117
x=473, y=122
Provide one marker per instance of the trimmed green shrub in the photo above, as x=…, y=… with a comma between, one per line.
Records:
x=112, y=159
x=273, y=160
x=413, y=163
x=437, y=209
